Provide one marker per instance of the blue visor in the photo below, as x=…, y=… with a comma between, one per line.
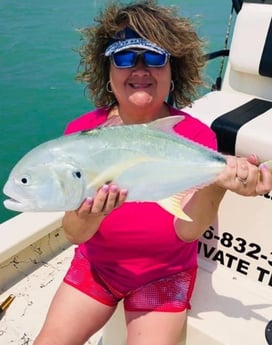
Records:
x=129, y=39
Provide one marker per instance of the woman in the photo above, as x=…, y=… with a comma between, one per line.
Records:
x=134, y=58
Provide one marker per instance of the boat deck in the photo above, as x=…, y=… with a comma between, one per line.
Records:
x=33, y=276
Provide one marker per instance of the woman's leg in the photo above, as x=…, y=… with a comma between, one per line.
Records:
x=156, y=312
x=72, y=318
x=154, y=328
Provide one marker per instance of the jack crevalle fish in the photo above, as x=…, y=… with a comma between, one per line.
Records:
x=151, y=160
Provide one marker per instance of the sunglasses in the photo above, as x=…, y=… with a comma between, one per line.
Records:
x=128, y=58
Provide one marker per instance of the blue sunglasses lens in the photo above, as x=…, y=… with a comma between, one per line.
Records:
x=128, y=58
x=124, y=59
x=153, y=59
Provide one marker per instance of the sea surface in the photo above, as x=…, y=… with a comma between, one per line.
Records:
x=38, y=62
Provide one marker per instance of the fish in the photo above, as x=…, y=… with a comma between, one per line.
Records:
x=152, y=161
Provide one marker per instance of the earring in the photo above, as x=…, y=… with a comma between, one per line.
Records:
x=108, y=87
x=172, y=86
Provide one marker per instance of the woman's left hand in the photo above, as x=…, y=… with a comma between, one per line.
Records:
x=244, y=176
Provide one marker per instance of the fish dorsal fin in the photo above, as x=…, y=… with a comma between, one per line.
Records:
x=174, y=204
x=114, y=120
x=166, y=124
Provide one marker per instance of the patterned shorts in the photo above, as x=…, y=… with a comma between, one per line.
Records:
x=168, y=294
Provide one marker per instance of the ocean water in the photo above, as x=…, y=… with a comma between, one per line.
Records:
x=38, y=62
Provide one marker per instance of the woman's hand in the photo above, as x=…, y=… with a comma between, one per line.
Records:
x=243, y=176
x=81, y=224
x=106, y=199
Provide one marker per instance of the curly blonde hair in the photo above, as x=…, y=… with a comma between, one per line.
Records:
x=158, y=24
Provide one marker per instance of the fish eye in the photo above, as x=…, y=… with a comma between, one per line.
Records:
x=24, y=180
x=77, y=174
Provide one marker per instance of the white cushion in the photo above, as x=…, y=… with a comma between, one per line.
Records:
x=249, y=37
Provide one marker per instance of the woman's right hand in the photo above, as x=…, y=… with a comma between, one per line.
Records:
x=81, y=224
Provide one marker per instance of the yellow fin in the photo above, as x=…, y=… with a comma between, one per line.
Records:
x=112, y=172
x=173, y=206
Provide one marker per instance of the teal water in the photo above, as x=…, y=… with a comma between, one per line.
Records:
x=38, y=94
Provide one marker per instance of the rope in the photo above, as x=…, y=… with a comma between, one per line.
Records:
x=218, y=83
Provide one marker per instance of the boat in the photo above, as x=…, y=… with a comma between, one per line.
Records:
x=232, y=301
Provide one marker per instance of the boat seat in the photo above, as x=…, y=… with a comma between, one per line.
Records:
x=251, y=45
x=240, y=113
x=241, y=122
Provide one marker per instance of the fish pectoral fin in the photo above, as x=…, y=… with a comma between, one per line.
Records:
x=114, y=120
x=173, y=205
x=114, y=171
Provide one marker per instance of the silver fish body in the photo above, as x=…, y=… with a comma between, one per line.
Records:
x=150, y=160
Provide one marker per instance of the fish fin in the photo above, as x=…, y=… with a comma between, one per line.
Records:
x=114, y=120
x=166, y=124
x=114, y=171
x=173, y=206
